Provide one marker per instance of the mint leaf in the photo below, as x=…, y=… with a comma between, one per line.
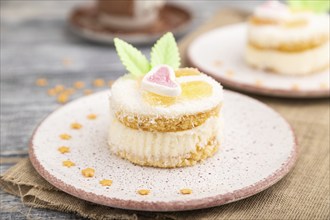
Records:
x=318, y=6
x=165, y=51
x=134, y=61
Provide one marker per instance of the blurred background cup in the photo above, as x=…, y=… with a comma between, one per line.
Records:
x=129, y=14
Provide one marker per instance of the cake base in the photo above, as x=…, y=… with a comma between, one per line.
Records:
x=286, y=63
x=166, y=149
x=192, y=158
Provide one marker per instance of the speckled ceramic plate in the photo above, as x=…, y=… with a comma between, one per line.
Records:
x=83, y=21
x=220, y=52
x=259, y=148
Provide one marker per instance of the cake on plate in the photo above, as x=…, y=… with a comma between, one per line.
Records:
x=163, y=115
x=129, y=14
x=288, y=40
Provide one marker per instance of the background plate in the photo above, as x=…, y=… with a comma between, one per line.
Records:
x=220, y=53
x=259, y=148
x=83, y=21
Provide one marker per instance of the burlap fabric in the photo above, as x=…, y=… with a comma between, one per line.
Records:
x=302, y=194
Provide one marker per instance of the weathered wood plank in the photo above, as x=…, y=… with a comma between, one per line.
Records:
x=23, y=105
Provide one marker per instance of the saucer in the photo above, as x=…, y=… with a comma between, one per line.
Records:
x=259, y=148
x=84, y=21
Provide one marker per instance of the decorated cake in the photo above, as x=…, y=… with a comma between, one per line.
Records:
x=163, y=115
x=129, y=14
x=291, y=40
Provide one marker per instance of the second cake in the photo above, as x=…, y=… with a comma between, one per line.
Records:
x=286, y=41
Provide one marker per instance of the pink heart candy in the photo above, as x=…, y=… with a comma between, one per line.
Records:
x=161, y=80
x=162, y=77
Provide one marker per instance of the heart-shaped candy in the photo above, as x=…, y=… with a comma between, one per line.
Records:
x=161, y=80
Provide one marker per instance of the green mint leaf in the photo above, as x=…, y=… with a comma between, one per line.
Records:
x=134, y=61
x=165, y=51
x=319, y=6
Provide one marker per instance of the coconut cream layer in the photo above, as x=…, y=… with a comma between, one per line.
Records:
x=274, y=36
x=299, y=63
x=153, y=146
x=127, y=98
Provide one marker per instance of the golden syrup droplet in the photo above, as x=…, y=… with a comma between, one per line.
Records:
x=68, y=163
x=59, y=88
x=99, y=82
x=88, y=172
x=64, y=149
x=41, y=82
x=106, y=182
x=76, y=125
x=186, y=72
x=143, y=192
x=185, y=191
x=65, y=136
x=79, y=84
x=196, y=89
x=154, y=99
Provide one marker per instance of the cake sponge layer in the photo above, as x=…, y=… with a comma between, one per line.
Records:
x=165, y=149
x=166, y=124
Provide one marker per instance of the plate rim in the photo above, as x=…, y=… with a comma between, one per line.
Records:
x=176, y=205
x=245, y=87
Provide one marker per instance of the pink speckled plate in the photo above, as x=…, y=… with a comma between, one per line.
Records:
x=220, y=53
x=259, y=148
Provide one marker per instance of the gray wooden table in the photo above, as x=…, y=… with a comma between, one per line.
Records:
x=36, y=42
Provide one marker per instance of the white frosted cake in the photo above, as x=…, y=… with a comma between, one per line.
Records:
x=170, y=117
x=286, y=41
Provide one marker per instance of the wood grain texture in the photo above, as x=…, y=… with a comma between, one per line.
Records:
x=36, y=42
